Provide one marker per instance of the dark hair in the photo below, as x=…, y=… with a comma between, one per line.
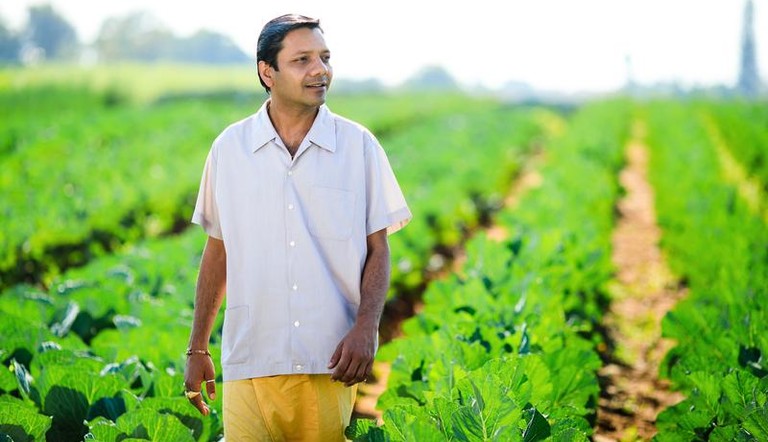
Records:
x=274, y=32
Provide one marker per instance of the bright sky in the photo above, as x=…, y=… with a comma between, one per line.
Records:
x=562, y=45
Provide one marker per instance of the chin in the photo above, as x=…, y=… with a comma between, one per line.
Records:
x=320, y=100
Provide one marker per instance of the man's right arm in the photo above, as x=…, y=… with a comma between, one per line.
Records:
x=211, y=286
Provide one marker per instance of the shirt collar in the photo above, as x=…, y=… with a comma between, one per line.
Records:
x=322, y=133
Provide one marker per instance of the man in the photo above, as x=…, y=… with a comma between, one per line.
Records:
x=297, y=203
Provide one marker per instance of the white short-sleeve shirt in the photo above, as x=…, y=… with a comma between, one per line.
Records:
x=295, y=234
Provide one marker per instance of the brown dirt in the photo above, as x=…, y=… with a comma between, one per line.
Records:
x=644, y=291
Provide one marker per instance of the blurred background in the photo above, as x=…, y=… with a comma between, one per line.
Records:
x=516, y=48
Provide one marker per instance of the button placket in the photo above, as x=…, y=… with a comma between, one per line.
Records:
x=292, y=226
x=291, y=221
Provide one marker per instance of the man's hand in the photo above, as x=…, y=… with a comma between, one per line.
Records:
x=199, y=371
x=211, y=286
x=353, y=359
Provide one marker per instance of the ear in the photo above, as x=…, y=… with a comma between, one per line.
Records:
x=266, y=73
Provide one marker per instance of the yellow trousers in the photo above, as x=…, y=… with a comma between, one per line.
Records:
x=287, y=408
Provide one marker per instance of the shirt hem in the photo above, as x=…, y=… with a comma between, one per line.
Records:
x=392, y=222
x=207, y=227
x=249, y=371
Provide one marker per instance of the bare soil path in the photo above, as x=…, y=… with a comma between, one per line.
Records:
x=632, y=394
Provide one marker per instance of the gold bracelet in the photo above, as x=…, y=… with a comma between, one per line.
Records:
x=191, y=352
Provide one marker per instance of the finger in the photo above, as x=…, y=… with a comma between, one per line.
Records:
x=336, y=356
x=201, y=406
x=210, y=388
x=351, y=373
x=368, y=371
x=341, y=366
x=362, y=374
x=359, y=361
x=359, y=375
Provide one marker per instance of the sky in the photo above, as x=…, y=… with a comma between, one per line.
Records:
x=571, y=46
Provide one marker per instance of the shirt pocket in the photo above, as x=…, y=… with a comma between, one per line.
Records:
x=235, y=340
x=331, y=212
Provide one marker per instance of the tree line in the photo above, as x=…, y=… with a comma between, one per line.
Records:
x=139, y=36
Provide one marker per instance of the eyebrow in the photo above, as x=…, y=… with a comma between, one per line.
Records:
x=310, y=52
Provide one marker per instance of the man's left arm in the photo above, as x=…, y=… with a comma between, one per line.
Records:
x=353, y=359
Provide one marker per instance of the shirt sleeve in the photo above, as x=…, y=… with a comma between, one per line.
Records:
x=206, y=212
x=386, y=206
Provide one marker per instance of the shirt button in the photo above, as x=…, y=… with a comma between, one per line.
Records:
x=292, y=243
x=290, y=172
x=295, y=287
x=299, y=367
x=296, y=324
x=290, y=206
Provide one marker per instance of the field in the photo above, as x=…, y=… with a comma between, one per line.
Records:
x=507, y=317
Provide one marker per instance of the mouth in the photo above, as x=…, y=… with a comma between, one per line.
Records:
x=317, y=84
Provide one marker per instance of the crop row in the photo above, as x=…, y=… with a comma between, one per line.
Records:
x=89, y=181
x=104, y=345
x=26, y=112
x=454, y=172
x=504, y=349
x=717, y=244
x=90, y=177
x=743, y=126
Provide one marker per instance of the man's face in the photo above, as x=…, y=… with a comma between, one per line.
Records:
x=305, y=72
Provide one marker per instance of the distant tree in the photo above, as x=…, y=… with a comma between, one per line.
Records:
x=208, y=47
x=517, y=91
x=136, y=36
x=140, y=36
x=431, y=78
x=49, y=31
x=10, y=45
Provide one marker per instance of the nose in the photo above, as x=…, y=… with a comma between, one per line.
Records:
x=320, y=67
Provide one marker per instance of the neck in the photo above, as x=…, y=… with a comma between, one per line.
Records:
x=291, y=124
x=291, y=118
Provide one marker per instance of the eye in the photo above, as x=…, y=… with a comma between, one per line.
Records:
x=326, y=58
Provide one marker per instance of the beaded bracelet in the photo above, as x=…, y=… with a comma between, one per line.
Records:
x=191, y=352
